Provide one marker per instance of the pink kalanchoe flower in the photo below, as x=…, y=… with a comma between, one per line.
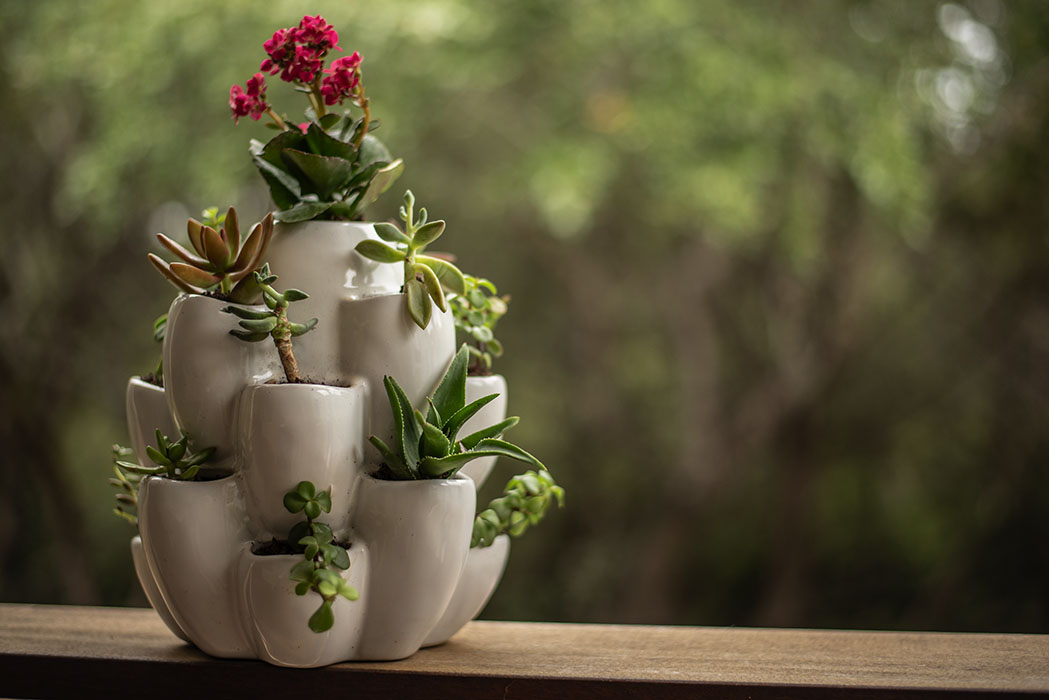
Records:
x=316, y=32
x=298, y=52
x=304, y=126
x=278, y=49
x=343, y=79
x=249, y=102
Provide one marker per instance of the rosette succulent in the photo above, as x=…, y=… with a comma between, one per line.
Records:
x=174, y=459
x=220, y=262
x=428, y=447
x=330, y=166
x=425, y=276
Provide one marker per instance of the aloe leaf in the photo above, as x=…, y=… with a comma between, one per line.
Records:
x=419, y=306
x=457, y=419
x=303, y=211
x=450, y=394
x=510, y=450
x=451, y=277
x=407, y=431
x=379, y=252
x=434, y=443
x=392, y=460
x=470, y=441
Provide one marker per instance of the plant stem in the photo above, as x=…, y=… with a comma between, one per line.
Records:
x=276, y=119
x=287, y=358
x=364, y=105
x=318, y=100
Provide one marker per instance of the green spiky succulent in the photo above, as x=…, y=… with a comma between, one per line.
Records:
x=425, y=277
x=428, y=447
x=175, y=460
x=476, y=311
x=257, y=325
x=321, y=554
x=525, y=501
x=220, y=263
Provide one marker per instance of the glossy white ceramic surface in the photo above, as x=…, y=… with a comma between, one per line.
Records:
x=418, y=537
x=192, y=533
x=299, y=432
x=147, y=410
x=205, y=369
x=492, y=413
x=277, y=618
x=318, y=257
x=379, y=338
x=149, y=587
x=484, y=568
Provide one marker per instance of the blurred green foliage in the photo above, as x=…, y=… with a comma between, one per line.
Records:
x=779, y=275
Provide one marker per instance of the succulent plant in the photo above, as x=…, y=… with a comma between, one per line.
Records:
x=524, y=502
x=428, y=447
x=476, y=311
x=126, y=484
x=273, y=323
x=220, y=261
x=175, y=460
x=425, y=277
x=160, y=326
x=322, y=555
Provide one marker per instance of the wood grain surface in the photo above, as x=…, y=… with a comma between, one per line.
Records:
x=66, y=651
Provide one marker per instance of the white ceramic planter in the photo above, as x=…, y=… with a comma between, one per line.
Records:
x=205, y=370
x=418, y=536
x=149, y=587
x=277, y=618
x=147, y=410
x=492, y=413
x=192, y=533
x=484, y=568
x=318, y=257
x=299, y=432
x=379, y=338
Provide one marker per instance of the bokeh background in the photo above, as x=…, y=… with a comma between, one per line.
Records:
x=780, y=280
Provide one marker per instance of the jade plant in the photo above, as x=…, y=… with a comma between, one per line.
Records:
x=425, y=276
x=220, y=264
x=524, y=502
x=126, y=484
x=322, y=555
x=428, y=447
x=257, y=325
x=330, y=166
x=476, y=311
x=174, y=460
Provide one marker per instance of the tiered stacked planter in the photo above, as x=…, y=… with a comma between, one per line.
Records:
x=411, y=561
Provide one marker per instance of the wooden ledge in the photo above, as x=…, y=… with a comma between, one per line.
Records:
x=65, y=651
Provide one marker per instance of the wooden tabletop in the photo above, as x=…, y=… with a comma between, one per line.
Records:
x=65, y=651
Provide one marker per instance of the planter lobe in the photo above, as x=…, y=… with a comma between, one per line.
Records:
x=299, y=432
x=484, y=568
x=205, y=369
x=149, y=587
x=418, y=537
x=147, y=410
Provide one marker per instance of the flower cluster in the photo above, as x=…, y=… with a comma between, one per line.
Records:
x=249, y=100
x=343, y=80
x=298, y=52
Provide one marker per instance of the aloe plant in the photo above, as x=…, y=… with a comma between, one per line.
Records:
x=273, y=323
x=220, y=263
x=425, y=276
x=321, y=554
x=476, y=311
x=428, y=447
x=525, y=501
x=175, y=460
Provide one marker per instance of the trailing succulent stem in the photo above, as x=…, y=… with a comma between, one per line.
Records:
x=428, y=447
x=425, y=277
x=322, y=556
x=524, y=502
x=476, y=312
x=156, y=377
x=175, y=460
x=126, y=484
x=273, y=323
x=218, y=264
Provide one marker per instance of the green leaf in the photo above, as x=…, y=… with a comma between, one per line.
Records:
x=433, y=286
x=489, y=447
x=390, y=233
x=510, y=450
x=327, y=589
x=341, y=559
x=450, y=395
x=328, y=121
x=372, y=151
x=427, y=234
x=380, y=252
x=303, y=571
x=323, y=619
x=262, y=325
x=380, y=183
x=451, y=277
x=434, y=442
x=246, y=313
x=322, y=143
x=156, y=456
x=312, y=510
x=419, y=306
x=349, y=592
x=324, y=500
x=457, y=419
x=284, y=189
x=322, y=532
x=391, y=459
x=306, y=489
x=471, y=440
x=298, y=329
x=319, y=175
x=407, y=430
x=248, y=336
x=304, y=211
x=295, y=295
x=302, y=588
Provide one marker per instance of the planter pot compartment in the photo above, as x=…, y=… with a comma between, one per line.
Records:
x=147, y=410
x=484, y=568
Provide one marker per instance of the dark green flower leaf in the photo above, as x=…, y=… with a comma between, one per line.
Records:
x=304, y=211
